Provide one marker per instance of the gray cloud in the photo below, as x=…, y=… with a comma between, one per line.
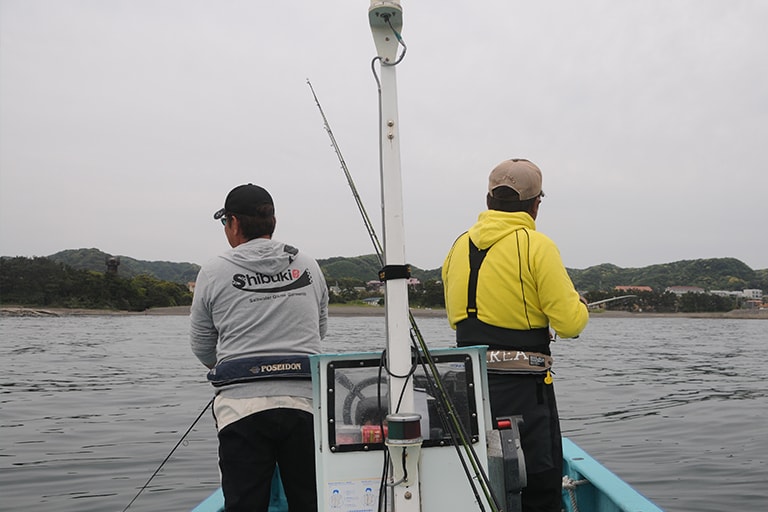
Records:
x=123, y=124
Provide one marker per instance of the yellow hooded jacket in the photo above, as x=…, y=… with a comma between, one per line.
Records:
x=522, y=283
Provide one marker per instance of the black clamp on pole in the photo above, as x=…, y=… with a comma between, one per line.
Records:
x=394, y=272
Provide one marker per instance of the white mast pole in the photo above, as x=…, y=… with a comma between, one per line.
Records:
x=385, y=17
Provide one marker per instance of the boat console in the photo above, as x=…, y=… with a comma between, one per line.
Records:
x=352, y=428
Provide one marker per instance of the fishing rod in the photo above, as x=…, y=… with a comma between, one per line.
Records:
x=170, y=454
x=366, y=220
x=597, y=303
x=452, y=419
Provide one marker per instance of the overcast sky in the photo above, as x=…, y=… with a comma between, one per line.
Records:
x=123, y=124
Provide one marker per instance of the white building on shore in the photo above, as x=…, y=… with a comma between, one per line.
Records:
x=749, y=294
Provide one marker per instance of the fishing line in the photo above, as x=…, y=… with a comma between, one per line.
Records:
x=366, y=220
x=442, y=396
x=382, y=505
x=456, y=428
x=479, y=473
x=170, y=454
x=448, y=420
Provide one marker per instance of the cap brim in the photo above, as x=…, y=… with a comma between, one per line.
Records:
x=219, y=214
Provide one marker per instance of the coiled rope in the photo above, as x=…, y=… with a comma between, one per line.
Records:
x=570, y=485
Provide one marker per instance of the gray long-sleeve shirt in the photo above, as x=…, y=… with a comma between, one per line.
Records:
x=261, y=298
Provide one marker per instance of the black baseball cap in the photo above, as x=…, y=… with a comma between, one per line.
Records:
x=245, y=200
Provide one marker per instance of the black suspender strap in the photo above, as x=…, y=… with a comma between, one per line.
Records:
x=476, y=257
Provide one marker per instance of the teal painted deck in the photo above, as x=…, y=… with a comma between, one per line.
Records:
x=215, y=502
x=604, y=491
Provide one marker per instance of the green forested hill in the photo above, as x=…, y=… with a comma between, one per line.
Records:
x=359, y=268
x=366, y=268
x=94, y=259
x=44, y=282
x=762, y=277
x=710, y=274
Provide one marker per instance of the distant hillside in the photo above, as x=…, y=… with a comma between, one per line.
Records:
x=366, y=268
x=362, y=268
x=762, y=277
x=710, y=274
x=94, y=259
x=43, y=282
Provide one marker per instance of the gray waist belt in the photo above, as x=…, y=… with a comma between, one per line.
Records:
x=248, y=369
x=517, y=361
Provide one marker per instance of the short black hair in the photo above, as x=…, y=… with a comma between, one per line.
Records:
x=256, y=226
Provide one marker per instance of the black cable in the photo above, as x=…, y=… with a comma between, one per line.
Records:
x=385, y=465
x=479, y=472
x=445, y=398
x=400, y=42
x=444, y=417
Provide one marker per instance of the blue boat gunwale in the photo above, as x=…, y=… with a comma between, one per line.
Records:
x=603, y=492
x=213, y=503
x=278, y=502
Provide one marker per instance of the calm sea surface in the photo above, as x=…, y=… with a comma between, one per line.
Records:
x=90, y=407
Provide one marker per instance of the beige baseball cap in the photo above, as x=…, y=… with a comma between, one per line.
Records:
x=518, y=174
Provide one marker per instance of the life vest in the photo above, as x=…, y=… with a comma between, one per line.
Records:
x=247, y=369
x=510, y=350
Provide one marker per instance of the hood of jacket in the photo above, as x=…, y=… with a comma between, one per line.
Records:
x=262, y=255
x=493, y=225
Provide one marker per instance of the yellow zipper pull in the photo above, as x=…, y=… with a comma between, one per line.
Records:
x=548, y=378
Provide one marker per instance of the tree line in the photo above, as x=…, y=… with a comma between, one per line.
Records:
x=93, y=259
x=42, y=282
x=429, y=294
x=665, y=302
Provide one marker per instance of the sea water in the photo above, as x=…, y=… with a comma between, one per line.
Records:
x=90, y=407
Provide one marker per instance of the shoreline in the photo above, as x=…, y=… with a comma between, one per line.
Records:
x=333, y=310
x=355, y=310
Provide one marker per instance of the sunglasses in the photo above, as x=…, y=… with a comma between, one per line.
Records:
x=224, y=221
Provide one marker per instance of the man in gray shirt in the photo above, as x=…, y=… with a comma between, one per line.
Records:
x=259, y=310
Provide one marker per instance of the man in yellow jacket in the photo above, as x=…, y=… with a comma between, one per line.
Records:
x=506, y=287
